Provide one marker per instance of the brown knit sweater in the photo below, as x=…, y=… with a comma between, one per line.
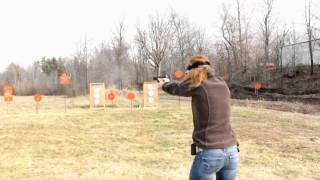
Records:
x=211, y=111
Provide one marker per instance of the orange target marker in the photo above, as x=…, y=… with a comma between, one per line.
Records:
x=37, y=98
x=64, y=79
x=111, y=96
x=131, y=96
x=8, y=97
x=8, y=89
x=178, y=74
x=7, y=94
x=258, y=86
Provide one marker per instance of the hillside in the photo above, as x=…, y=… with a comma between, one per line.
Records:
x=285, y=85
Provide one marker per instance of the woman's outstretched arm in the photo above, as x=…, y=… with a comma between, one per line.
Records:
x=178, y=89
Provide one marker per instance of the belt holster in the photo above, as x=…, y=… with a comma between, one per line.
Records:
x=193, y=149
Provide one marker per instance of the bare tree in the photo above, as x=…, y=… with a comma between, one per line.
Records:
x=281, y=39
x=237, y=39
x=187, y=41
x=244, y=38
x=82, y=56
x=294, y=51
x=309, y=29
x=265, y=26
x=13, y=75
x=101, y=65
x=155, y=42
x=85, y=65
x=230, y=74
x=120, y=48
x=240, y=31
x=246, y=46
x=141, y=68
x=228, y=30
x=221, y=56
x=200, y=42
x=182, y=38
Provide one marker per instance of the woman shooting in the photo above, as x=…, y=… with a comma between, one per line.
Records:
x=214, y=142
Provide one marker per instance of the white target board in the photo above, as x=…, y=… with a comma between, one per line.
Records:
x=150, y=94
x=97, y=95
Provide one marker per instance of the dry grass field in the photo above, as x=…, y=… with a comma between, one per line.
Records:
x=147, y=144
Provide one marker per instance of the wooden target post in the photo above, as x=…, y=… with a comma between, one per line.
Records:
x=37, y=98
x=131, y=96
x=8, y=95
x=150, y=94
x=64, y=80
x=97, y=95
x=258, y=86
x=111, y=96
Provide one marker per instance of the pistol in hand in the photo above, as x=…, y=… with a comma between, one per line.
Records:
x=164, y=78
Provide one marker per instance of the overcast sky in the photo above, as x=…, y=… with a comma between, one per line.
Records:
x=31, y=29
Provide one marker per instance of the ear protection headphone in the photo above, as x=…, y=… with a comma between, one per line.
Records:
x=197, y=64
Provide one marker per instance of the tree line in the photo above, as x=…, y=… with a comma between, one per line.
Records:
x=242, y=49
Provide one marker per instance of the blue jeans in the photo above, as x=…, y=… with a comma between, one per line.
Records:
x=220, y=162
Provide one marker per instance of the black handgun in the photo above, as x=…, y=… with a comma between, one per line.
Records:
x=158, y=78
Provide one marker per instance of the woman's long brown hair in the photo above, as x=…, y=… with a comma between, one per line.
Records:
x=197, y=75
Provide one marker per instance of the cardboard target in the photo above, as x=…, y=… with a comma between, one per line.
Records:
x=97, y=95
x=150, y=99
x=150, y=87
x=150, y=94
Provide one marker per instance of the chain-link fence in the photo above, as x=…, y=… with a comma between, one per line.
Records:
x=298, y=55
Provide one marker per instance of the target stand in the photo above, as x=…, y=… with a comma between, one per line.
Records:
x=97, y=96
x=150, y=94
